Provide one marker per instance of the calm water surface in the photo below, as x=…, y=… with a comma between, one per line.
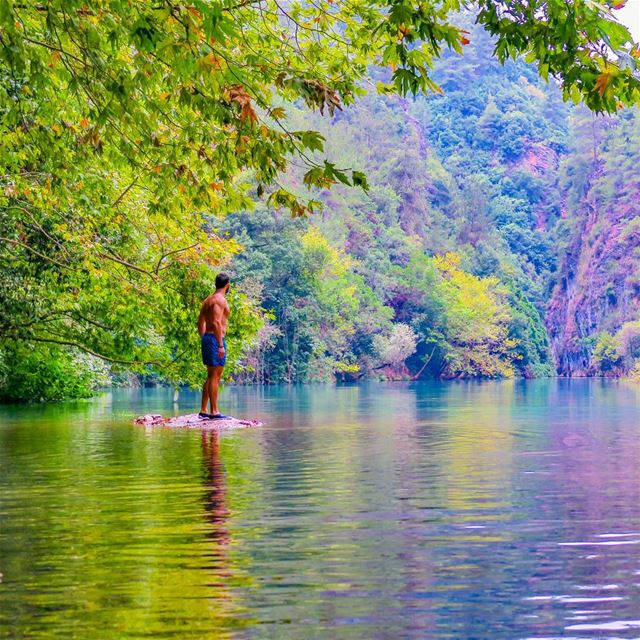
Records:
x=494, y=510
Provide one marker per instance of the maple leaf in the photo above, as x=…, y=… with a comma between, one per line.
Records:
x=602, y=82
x=238, y=94
x=248, y=113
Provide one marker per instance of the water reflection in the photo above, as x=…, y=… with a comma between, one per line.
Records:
x=215, y=503
x=497, y=510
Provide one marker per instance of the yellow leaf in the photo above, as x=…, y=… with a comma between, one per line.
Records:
x=55, y=59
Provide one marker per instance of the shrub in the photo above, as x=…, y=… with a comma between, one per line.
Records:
x=397, y=347
x=606, y=353
x=47, y=372
x=629, y=340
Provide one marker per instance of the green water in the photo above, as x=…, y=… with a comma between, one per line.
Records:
x=494, y=510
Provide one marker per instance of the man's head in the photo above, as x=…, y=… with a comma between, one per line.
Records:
x=222, y=282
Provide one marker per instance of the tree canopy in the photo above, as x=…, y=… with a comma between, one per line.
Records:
x=128, y=128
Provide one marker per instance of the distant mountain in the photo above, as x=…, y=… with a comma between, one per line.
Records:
x=535, y=199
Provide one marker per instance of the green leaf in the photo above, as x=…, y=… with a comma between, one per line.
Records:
x=311, y=140
x=359, y=179
x=314, y=177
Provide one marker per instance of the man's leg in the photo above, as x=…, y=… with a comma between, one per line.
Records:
x=213, y=384
x=205, y=395
x=205, y=390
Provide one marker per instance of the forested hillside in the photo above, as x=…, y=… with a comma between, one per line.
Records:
x=398, y=193
x=498, y=237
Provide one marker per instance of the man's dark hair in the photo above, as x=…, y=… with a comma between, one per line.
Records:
x=222, y=279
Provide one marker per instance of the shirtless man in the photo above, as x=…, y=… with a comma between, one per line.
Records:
x=212, y=326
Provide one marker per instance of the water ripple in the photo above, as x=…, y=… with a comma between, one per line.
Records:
x=499, y=510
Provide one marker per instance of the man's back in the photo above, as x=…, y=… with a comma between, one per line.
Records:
x=215, y=310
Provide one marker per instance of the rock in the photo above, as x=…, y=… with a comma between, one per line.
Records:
x=193, y=421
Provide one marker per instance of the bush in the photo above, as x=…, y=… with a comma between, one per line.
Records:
x=629, y=339
x=395, y=348
x=606, y=354
x=47, y=372
x=634, y=374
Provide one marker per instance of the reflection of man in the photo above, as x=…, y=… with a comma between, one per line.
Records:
x=215, y=500
x=212, y=326
x=215, y=504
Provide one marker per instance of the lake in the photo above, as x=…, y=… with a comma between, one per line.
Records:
x=400, y=510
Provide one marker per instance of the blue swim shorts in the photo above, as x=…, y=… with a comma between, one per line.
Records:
x=210, y=351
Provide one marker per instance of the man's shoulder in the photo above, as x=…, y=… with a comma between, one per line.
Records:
x=218, y=300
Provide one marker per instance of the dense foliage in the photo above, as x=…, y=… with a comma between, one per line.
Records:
x=129, y=129
x=497, y=171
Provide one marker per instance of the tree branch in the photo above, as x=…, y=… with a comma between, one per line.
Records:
x=85, y=349
x=170, y=253
x=37, y=253
x=129, y=265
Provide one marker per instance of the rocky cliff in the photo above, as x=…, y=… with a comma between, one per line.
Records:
x=597, y=288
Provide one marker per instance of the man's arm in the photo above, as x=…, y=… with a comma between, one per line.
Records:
x=218, y=319
x=202, y=322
